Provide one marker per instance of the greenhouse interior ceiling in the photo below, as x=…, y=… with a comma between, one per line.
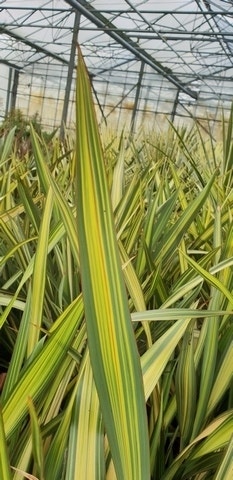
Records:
x=147, y=60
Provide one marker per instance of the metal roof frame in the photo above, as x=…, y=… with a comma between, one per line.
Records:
x=123, y=39
x=32, y=45
x=182, y=50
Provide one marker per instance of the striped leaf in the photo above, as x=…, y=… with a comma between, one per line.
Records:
x=37, y=445
x=37, y=376
x=86, y=432
x=113, y=353
x=215, y=436
x=5, y=473
x=186, y=387
x=39, y=275
x=225, y=470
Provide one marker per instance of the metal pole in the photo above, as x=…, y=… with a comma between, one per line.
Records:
x=137, y=95
x=14, y=90
x=173, y=114
x=70, y=72
x=108, y=27
x=7, y=105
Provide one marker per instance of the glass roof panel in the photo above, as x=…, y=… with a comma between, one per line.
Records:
x=185, y=45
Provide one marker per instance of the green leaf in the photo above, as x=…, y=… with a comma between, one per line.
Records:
x=222, y=380
x=7, y=146
x=173, y=236
x=114, y=356
x=37, y=445
x=219, y=437
x=155, y=359
x=225, y=470
x=215, y=436
x=5, y=473
x=63, y=209
x=19, y=350
x=39, y=275
x=186, y=387
x=24, y=474
x=86, y=440
x=215, y=282
x=38, y=374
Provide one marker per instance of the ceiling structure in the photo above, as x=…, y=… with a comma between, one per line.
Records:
x=145, y=57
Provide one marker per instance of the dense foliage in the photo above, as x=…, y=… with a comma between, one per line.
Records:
x=133, y=287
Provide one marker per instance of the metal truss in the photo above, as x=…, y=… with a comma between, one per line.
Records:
x=172, y=57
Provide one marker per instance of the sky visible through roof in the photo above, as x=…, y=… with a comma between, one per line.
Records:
x=176, y=51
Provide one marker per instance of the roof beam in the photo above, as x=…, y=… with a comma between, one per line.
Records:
x=128, y=10
x=222, y=41
x=120, y=37
x=10, y=64
x=19, y=38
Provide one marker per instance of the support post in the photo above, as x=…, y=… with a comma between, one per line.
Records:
x=70, y=72
x=137, y=96
x=14, y=89
x=7, y=104
x=173, y=114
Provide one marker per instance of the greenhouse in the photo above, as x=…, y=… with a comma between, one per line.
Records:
x=116, y=235
x=147, y=60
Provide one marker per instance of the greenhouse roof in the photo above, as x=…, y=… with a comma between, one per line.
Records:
x=168, y=54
